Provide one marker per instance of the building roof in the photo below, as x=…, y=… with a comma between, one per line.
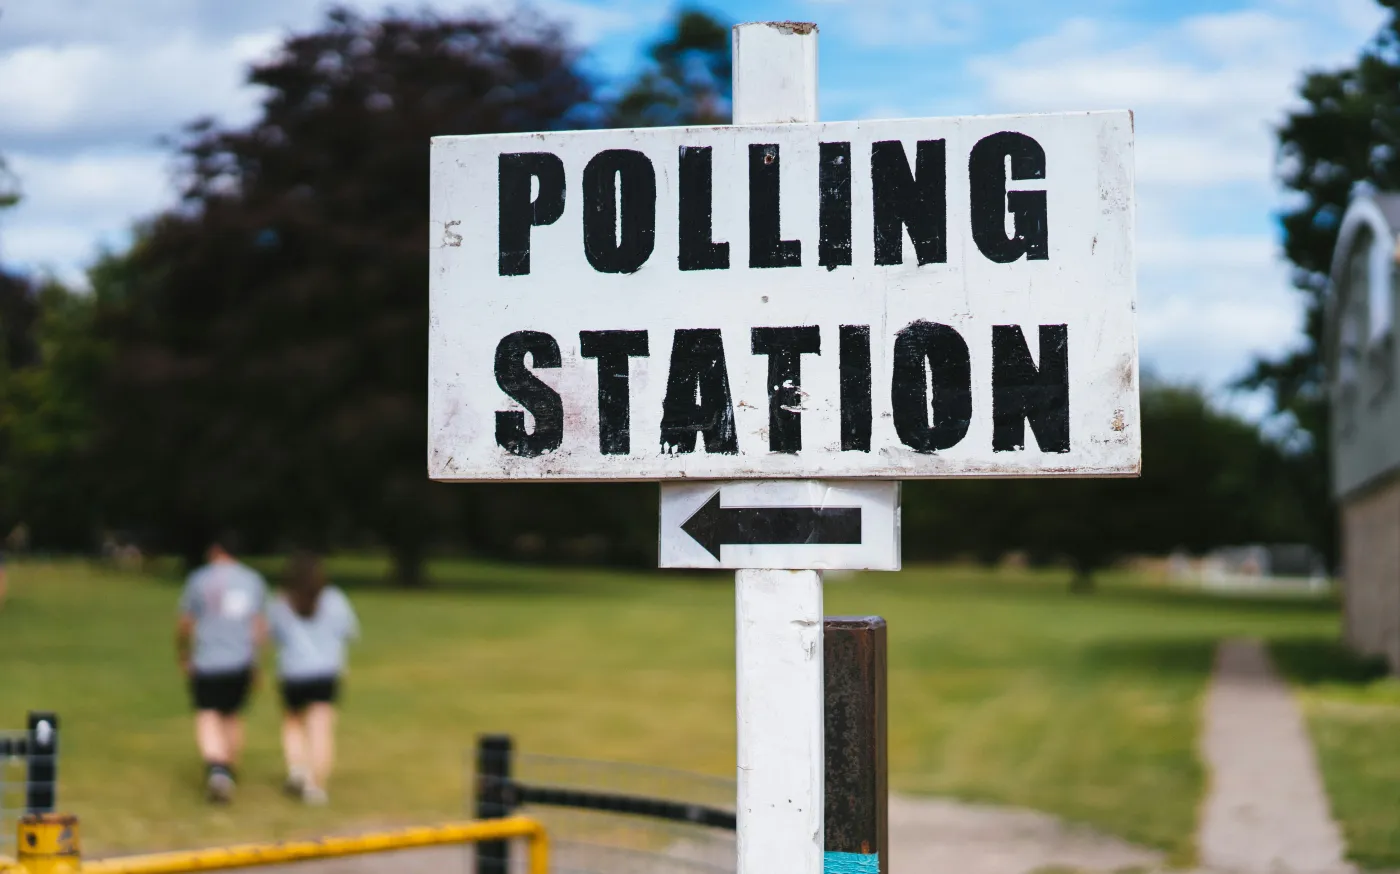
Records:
x=1360, y=343
x=1378, y=212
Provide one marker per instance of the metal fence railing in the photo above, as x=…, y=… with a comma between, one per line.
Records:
x=28, y=774
x=606, y=817
x=613, y=818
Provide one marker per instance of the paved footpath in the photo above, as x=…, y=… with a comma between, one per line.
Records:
x=1266, y=810
x=927, y=836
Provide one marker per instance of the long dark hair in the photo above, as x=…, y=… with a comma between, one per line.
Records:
x=304, y=580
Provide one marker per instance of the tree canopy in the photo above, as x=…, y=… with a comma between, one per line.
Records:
x=269, y=335
x=256, y=359
x=1347, y=132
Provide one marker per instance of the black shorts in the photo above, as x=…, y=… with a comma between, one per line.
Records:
x=225, y=692
x=297, y=694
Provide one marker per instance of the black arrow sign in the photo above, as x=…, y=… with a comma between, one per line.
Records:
x=712, y=526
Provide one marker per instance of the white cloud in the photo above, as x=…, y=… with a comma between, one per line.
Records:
x=896, y=23
x=588, y=24
x=1207, y=92
x=75, y=204
x=87, y=88
x=86, y=93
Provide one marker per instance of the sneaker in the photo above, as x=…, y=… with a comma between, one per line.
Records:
x=294, y=785
x=219, y=787
x=314, y=795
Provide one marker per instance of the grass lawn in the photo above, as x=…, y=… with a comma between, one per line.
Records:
x=1003, y=688
x=1353, y=716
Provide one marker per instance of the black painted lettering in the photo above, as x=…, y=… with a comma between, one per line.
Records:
x=834, y=211
x=1022, y=392
x=855, y=388
x=517, y=213
x=924, y=353
x=986, y=168
x=697, y=395
x=917, y=201
x=784, y=348
x=619, y=243
x=613, y=349
x=767, y=248
x=697, y=250
x=516, y=379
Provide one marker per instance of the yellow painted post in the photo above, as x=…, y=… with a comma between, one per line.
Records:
x=48, y=844
x=538, y=850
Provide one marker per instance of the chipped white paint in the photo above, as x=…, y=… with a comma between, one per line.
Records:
x=779, y=742
x=779, y=81
x=877, y=505
x=1086, y=283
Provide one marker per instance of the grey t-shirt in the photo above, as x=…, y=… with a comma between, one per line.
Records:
x=310, y=648
x=223, y=599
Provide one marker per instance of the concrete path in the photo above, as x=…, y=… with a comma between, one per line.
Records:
x=927, y=836
x=935, y=836
x=1266, y=811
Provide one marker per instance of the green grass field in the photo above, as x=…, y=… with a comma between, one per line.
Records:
x=1003, y=688
x=1354, y=718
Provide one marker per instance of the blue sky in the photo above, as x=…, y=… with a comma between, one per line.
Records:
x=88, y=87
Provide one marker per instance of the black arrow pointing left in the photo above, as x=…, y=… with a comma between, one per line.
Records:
x=712, y=526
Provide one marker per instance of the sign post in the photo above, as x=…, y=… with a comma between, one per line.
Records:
x=778, y=613
x=780, y=320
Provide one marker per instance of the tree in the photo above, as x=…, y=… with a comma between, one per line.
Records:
x=688, y=80
x=17, y=350
x=1208, y=479
x=1348, y=132
x=268, y=336
x=48, y=424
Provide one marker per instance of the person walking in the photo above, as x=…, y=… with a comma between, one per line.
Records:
x=311, y=623
x=220, y=631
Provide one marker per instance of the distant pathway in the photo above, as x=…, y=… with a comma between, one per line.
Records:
x=1266, y=811
x=927, y=836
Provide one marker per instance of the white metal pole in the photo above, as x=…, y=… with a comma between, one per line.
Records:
x=778, y=613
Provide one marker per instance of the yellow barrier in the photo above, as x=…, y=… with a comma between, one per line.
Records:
x=48, y=844
x=248, y=855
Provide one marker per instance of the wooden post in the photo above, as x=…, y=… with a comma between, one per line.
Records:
x=778, y=614
x=857, y=793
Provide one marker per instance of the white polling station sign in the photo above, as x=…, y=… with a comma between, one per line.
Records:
x=892, y=299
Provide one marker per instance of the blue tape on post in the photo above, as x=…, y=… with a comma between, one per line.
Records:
x=851, y=863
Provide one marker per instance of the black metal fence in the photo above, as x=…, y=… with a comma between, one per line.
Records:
x=637, y=818
x=605, y=817
x=28, y=773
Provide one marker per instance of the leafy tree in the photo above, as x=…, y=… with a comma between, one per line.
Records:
x=47, y=476
x=17, y=350
x=1347, y=132
x=688, y=79
x=1208, y=479
x=268, y=336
